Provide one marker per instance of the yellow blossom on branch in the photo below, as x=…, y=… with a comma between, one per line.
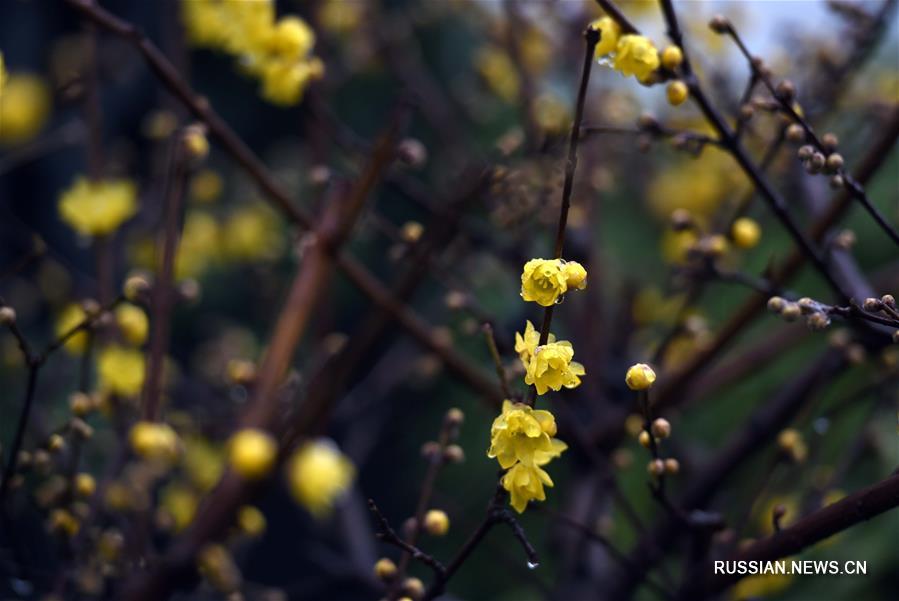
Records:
x=70, y=318
x=97, y=208
x=635, y=55
x=523, y=434
x=526, y=344
x=609, y=32
x=544, y=281
x=525, y=484
x=552, y=367
x=24, y=107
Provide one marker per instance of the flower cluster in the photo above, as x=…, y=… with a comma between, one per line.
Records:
x=276, y=51
x=521, y=440
x=98, y=208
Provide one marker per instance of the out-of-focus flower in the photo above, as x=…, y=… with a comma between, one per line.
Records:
x=340, y=16
x=252, y=453
x=636, y=55
x=552, y=367
x=24, y=107
x=97, y=208
x=203, y=462
x=179, y=503
x=133, y=323
x=199, y=247
x=497, y=69
x=154, y=440
x=121, y=370
x=252, y=233
x=70, y=318
x=318, y=473
x=206, y=186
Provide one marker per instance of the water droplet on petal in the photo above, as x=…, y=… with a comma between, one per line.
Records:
x=533, y=565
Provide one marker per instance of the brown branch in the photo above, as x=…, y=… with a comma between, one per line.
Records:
x=389, y=535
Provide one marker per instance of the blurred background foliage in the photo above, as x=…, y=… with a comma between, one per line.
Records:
x=238, y=257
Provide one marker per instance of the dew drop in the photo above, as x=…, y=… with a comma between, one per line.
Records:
x=533, y=565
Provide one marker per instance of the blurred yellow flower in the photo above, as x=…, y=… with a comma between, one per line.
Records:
x=340, y=16
x=68, y=319
x=121, y=370
x=252, y=453
x=495, y=66
x=206, y=186
x=251, y=521
x=253, y=233
x=154, y=440
x=97, y=208
x=552, y=367
x=179, y=503
x=199, y=246
x=318, y=473
x=133, y=323
x=635, y=55
x=203, y=462
x=24, y=107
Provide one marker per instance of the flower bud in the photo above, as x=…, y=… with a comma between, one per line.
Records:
x=834, y=163
x=661, y=428
x=672, y=57
x=454, y=417
x=830, y=141
x=196, y=145
x=795, y=133
x=872, y=305
x=385, y=569
x=85, y=485
x=805, y=152
x=656, y=467
x=720, y=24
x=745, y=232
x=135, y=287
x=888, y=300
x=252, y=453
x=640, y=377
x=7, y=316
x=791, y=311
x=776, y=304
x=672, y=465
x=414, y=587
x=645, y=439
x=454, y=454
x=436, y=522
x=807, y=305
x=677, y=92
x=786, y=91
x=817, y=321
x=837, y=182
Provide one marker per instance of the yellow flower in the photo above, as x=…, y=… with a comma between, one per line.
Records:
x=153, y=440
x=552, y=367
x=98, y=208
x=526, y=344
x=121, y=370
x=203, y=462
x=576, y=275
x=133, y=323
x=252, y=453
x=523, y=434
x=640, y=377
x=543, y=281
x=318, y=474
x=291, y=38
x=635, y=55
x=179, y=503
x=745, y=232
x=24, y=107
x=253, y=233
x=70, y=317
x=525, y=484
x=609, y=32
x=283, y=82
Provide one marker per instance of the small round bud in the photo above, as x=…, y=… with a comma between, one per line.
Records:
x=153, y=440
x=430, y=449
x=720, y=24
x=747, y=111
x=661, y=428
x=830, y=141
x=795, y=133
x=80, y=404
x=196, y=146
x=895, y=336
x=252, y=453
x=454, y=454
x=645, y=439
x=81, y=428
x=677, y=92
x=85, y=485
x=817, y=321
x=135, y=287
x=786, y=91
x=791, y=312
x=455, y=417
x=713, y=246
x=385, y=569
x=251, y=521
x=55, y=443
x=436, y=522
x=889, y=300
x=412, y=152
x=656, y=467
x=672, y=465
x=816, y=162
x=837, y=182
x=807, y=305
x=872, y=305
x=776, y=304
x=411, y=232
x=414, y=587
x=745, y=232
x=834, y=163
x=240, y=371
x=7, y=315
x=189, y=290
x=805, y=152
x=640, y=377
x=672, y=57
